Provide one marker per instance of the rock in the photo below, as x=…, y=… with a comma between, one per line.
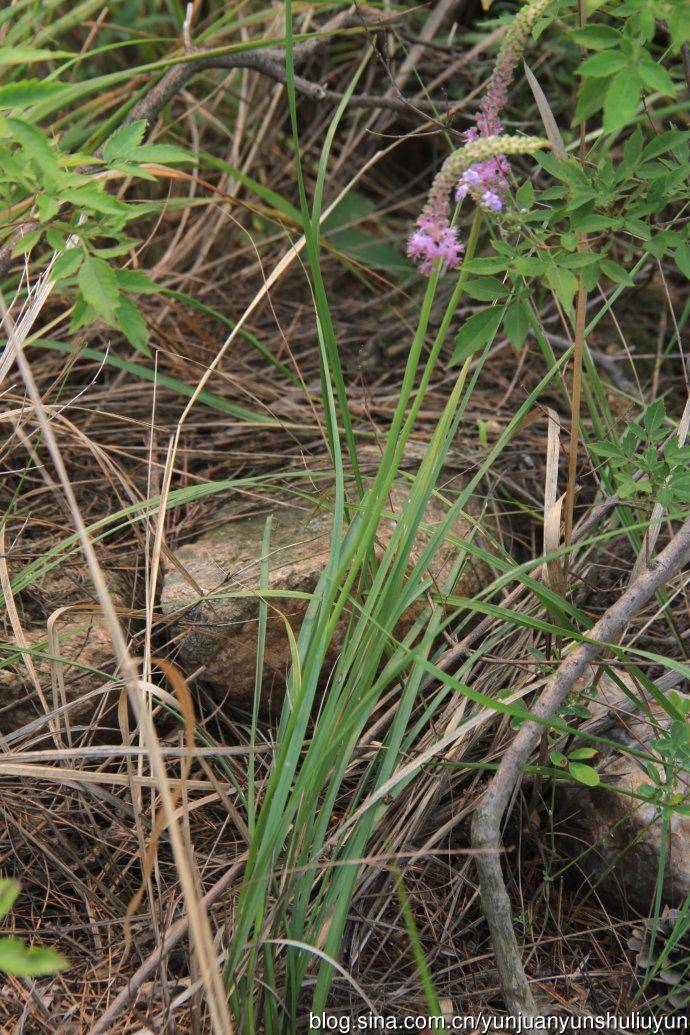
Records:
x=221, y=634
x=85, y=641
x=81, y=637
x=624, y=832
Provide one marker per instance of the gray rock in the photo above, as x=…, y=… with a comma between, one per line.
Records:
x=220, y=633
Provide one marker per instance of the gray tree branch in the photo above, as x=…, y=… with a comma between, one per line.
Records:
x=486, y=825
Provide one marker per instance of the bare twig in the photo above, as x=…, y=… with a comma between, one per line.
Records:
x=486, y=826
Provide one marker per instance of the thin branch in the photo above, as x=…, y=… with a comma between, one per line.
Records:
x=266, y=63
x=269, y=63
x=486, y=826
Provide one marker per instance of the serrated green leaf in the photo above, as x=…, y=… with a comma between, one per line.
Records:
x=67, y=264
x=28, y=91
x=528, y=265
x=132, y=324
x=516, y=324
x=136, y=282
x=616, y=273
x=591, y=223
x=679, y=24
x=47, y=207
x=162, y=154
x=604, y=64
x=98, y=285
x=589, y=100
x=82, y=314
x=124, y=140
x=655, y=77
x=93, y=197
x=485, y=289
x=578, y=260
x=622, y=99
x=26, y=242
x=682, y=258
x=28, y=55
x=55, y=239
x=584, y=774
x=525, y=195
x=596, y=37
x=476, y=333
x=563, y=283
x=34, y=144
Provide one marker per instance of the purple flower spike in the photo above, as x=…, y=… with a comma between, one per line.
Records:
x=486, y=180
x=429, y=243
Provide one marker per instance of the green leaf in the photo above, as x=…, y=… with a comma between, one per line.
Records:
x=136, y=281
x=98, y=285
x=679, y=24
x=82, y=314
x=656, y=77
x=55, y=239
x=516, y=324
x=591, y=223
x=563, y=283
x=622, y=99
x=28, y=91
x=485, y=289
x=616, y=273
x=558, y=758
x=16, y=959
x=528, y=265
x=589, y=100
x=604, y=64
x=578, y=260
x=162, y=154
x=94, y=197
x=132, y=324
x=525, y=195
x=476, y=333
x=581, y=753
x=124, y=140
x=683, y=259
x=35, y=145
x=596, y=37
x=28, y=55
x=68, y=263
x=584, y=774
x=26, y=242
x=47, y=207
x=9, y=890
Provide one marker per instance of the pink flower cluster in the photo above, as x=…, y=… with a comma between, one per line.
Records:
x=485, y=182
x=432, y=241
x=434, y=238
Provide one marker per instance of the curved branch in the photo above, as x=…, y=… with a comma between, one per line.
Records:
x=486, y=826
x=266, y=62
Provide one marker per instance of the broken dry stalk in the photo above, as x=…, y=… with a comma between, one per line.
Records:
x=486, y=826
